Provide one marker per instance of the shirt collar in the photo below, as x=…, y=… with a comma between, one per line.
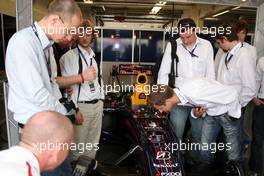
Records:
x=179, y=94
x=85, y=52
x=45, y=42
x=234, y=50
x=198, y=41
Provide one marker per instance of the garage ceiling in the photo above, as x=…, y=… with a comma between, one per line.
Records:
x=137, y=11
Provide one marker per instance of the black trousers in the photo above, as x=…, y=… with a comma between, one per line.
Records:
x=257, y=147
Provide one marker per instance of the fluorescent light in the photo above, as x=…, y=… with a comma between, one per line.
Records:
x=88, y=1
x=221, y=13
x=211, y=18
x=157, y=7
x=103, y=7
x=161, y=3
x=235, y=8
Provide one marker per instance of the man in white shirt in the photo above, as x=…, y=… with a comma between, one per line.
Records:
x=219, y=102
x=35, y=152
x=195, y=60
x=242, y=30
x=87, y=95
x=256, y=160
x=236, y=69
x=30, y=65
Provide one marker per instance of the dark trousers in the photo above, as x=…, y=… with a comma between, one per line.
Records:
x=256, y=159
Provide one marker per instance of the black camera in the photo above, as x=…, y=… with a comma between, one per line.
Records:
x=70, y=107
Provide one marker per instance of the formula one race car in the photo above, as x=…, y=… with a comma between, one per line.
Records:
x=137, y=140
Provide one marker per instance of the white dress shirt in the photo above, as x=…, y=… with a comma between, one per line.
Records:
x=260, y=78
x=218, y=57
x=18, y=161
x=188, y=66
x=253, y=52
x=239, y=73
x=220, y=53
x=70, y=66
x=208, y=93
x=30, y=88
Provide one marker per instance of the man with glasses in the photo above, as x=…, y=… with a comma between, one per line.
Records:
x=31, y=69
x=88, y=96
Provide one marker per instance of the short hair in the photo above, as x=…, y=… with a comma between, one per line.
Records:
x=160, y=95
x=87, y=23
x=186, y=23
x=66, y=9
x=242, y=25
x=229, y=31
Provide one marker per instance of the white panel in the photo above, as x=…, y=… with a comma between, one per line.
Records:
x=259, y=39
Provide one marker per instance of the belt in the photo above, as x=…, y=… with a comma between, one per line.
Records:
x=89, y=102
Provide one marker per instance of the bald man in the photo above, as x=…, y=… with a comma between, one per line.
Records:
x=45, y=144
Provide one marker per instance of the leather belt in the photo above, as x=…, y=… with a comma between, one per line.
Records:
x=89, y=102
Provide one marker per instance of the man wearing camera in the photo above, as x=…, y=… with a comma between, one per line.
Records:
x=87, y=95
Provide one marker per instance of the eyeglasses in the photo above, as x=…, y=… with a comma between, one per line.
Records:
x=66, y=30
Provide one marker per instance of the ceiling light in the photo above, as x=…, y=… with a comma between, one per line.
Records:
x=221, y=13
x=88, y=1
x=155, y=10
x=157, y=7
x=103, y=7
x=235, y=8
x=211, y=18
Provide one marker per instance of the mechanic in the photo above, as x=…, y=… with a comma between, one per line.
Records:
x=217, y=103
x=195, y=60
x=34, y=154
x=88, y=96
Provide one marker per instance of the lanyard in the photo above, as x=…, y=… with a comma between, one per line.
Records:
x=47, y=58
x=83, y=57
x=228, y=59
x=191, y=52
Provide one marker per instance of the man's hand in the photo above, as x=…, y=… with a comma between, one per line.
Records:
x=198, y=112
x=79, y=118
x=257, y=101
x=89, y=74
x=69, y=91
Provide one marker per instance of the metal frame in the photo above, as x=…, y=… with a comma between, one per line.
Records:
x=3, y=34
x=248, y=3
